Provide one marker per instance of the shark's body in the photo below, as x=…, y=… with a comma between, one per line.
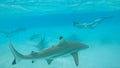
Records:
x=35, y=37
x=42, y=44
x=90, y=24
x=12, y=33
x=63, y=48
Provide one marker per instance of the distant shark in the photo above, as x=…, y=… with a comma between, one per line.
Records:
x=63, y=48
x=90, y=24
x=42, y=43
x=8, y=34
x=34, y=37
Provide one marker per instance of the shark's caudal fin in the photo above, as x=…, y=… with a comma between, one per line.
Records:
x=17, y=56
x=97, y=21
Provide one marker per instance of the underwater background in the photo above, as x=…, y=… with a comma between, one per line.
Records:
x=30, y=23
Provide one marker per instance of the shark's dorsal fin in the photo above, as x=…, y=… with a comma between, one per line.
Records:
x=33, y=52
x=75, y=57
x=49, y=61
x=61, y=40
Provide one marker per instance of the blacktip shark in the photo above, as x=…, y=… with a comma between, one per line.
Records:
x=63, y=48
x=89, y=25
x=42, y=43
x=8, y=34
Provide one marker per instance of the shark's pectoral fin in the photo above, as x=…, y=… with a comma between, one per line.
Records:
x=49, y=61
x=76, y=59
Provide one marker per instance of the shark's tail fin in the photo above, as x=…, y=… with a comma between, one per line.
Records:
x=17, y=56
x=98, y=21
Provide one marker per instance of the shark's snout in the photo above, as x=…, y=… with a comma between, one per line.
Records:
x=87, y=46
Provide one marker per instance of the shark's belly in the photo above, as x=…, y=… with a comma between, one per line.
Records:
x=58, y=53
x=54, y=52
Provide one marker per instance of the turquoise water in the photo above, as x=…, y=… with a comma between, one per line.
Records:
x=28, y=22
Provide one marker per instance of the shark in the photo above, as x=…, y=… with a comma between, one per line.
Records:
x=62, y=48
x=91, y=24
x=42, y=43
x=16, y=31
x=34, y=37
